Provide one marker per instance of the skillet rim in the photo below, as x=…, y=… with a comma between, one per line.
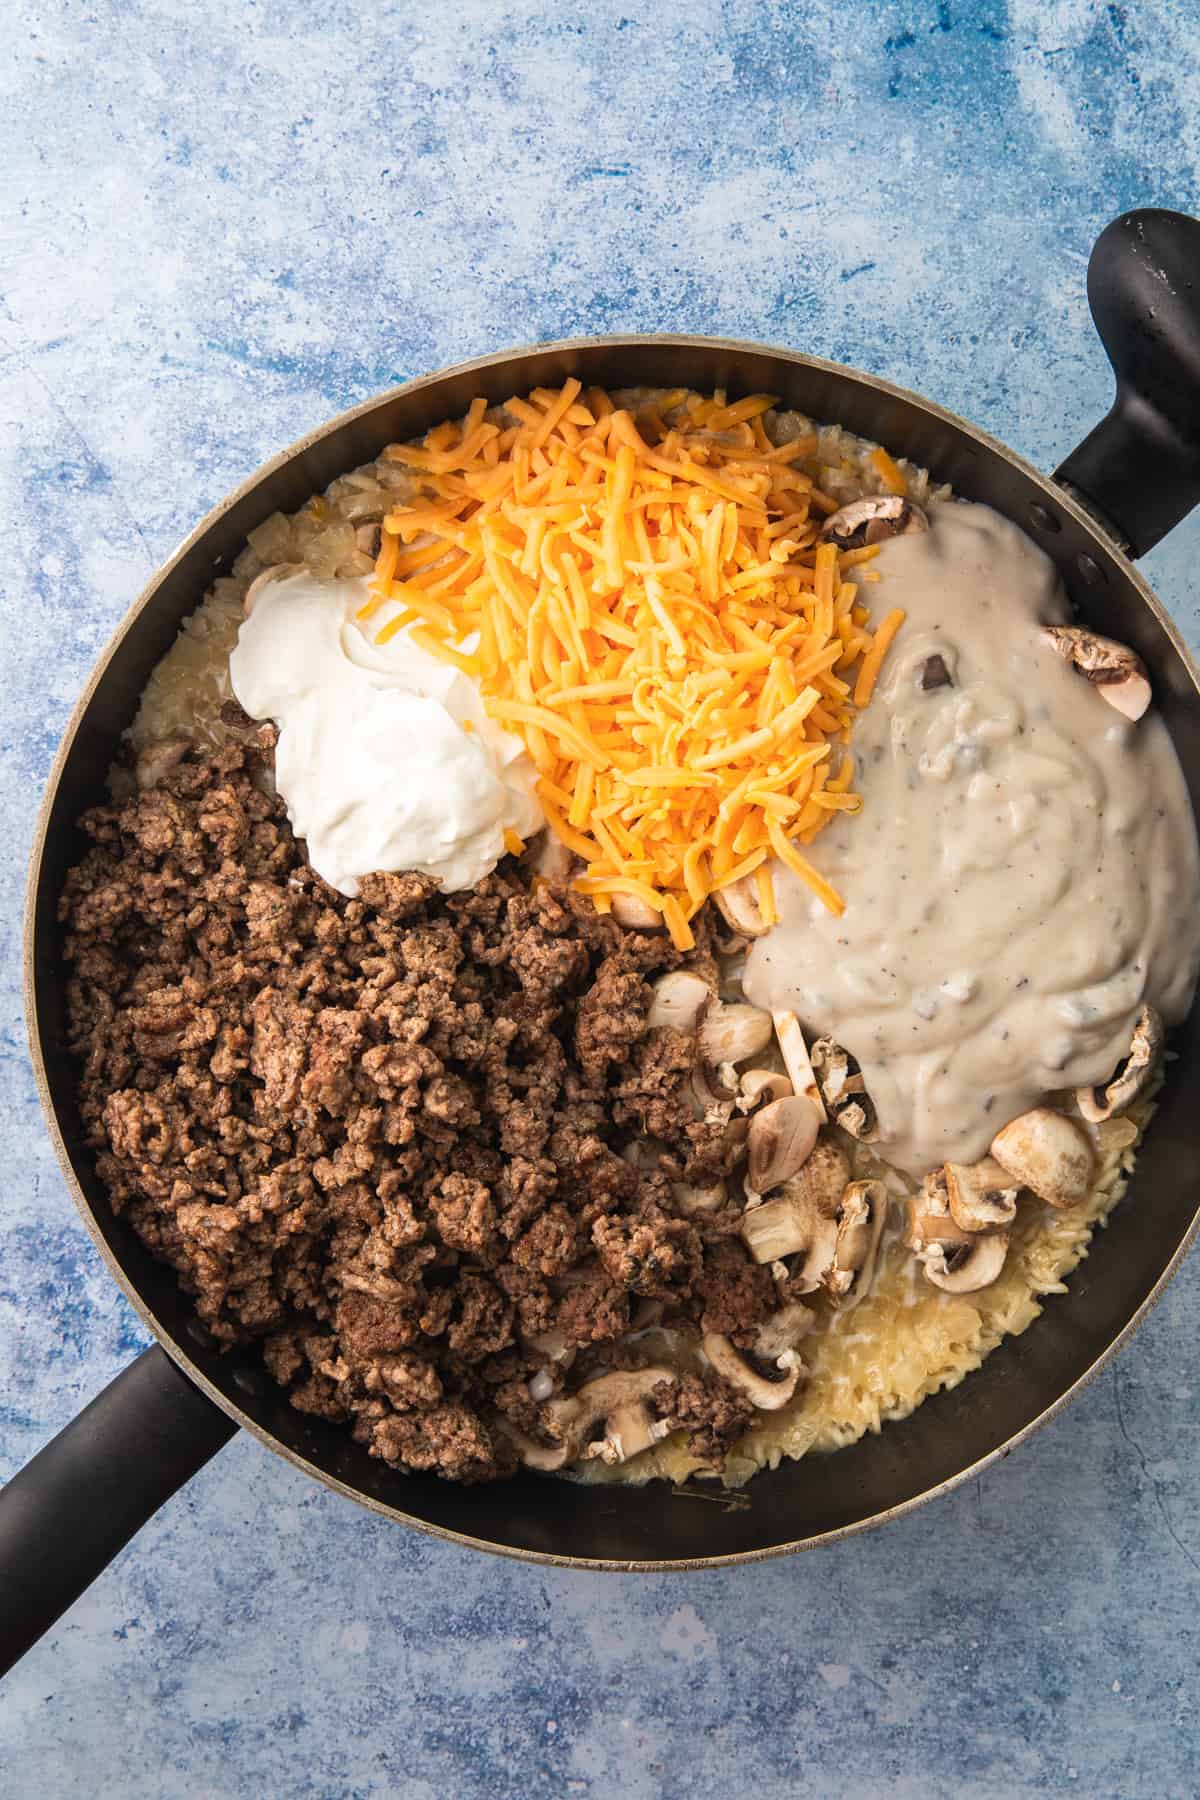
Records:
x=1063, y=500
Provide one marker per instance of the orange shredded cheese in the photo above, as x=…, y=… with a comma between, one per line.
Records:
x=644, y=601
x=889, y=472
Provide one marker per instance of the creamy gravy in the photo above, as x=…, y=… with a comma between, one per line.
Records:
x=1024, y=873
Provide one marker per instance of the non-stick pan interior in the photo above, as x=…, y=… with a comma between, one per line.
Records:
x=949, y=1434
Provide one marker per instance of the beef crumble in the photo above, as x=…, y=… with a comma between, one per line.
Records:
x=381, y=1136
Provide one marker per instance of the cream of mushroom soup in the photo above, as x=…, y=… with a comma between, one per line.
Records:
x=1024, y=876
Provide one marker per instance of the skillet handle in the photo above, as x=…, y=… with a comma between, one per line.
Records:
x=67, y=1513
x=1138, y=472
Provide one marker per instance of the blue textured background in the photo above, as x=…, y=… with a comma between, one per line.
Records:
x=223, y=222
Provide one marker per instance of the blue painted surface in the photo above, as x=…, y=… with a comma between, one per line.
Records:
x=221, y=224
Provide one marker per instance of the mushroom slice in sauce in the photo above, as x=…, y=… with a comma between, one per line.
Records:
x=1131, y=1075
x=844, y=1091
x=933, y=674
x=796, y=1059
x=758, y=1087
x=620, y=1399
x=628, y=1429
x=767, y=1395
x=982, y=1195
x=802, y=1220
x=738, y=906
x=635, y=914
x=862, y=1211
x=780, y=1141
x=958, y=1261
x=929, y=1219
x=727, y=1035
x=678, y=999
x=822, y=1181
x=783, y=1331
x=871, y=520
x=1116, y=670
x=1047, y=1153
x=965, y=1268
x=731, y=1033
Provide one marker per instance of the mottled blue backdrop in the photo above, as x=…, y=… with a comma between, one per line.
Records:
x=221, y=222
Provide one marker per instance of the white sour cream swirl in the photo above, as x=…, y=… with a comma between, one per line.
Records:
x=373, y=761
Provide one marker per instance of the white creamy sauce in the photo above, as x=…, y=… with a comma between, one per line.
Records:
x=1023, y=875
x=373, y=761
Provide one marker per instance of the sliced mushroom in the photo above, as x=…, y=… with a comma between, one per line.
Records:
x=965, y=1268
x=1130, y=1076
x=862, y=1212
x=758, y=1087
x=953, y=1259
x=824, y=1176
x=728, y=1034
x=731, y=1033
x=620, y=1399
x=812, y=1271
x=691, y=1200
x=158, y=759
x=1118, y=671
x=276, y=572
x=546, y=1457
x=844, y=1091
x=801, y=1221
x=930, y=1220
x=796, y=1059
x=738, y=905
x=768, y=1396
x=678, y=999
x=1047, y=1153
x=368, y=538
x=549, y=857
x=871, y=520
x=635, y=914
x=628, y=1429
x=982, y=1195
x=713, y=1091
x=783, y=1331
x=780, y=1141
x=934, y=674
x=730, y=945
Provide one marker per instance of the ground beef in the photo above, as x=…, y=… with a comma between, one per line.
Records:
x=712, y=1413
x=382, y=1137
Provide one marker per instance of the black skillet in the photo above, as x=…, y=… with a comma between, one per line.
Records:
x=83, y=1496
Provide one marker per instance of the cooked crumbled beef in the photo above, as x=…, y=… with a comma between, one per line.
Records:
x=654, y=1094
x=653, y=1255
x=383, y=1136
x=610, y=1019
x=735, y=1293
x=713, y=1414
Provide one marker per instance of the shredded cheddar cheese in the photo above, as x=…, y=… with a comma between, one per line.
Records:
x=645, y=602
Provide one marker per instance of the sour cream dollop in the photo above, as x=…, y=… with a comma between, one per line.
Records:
x=386, y=759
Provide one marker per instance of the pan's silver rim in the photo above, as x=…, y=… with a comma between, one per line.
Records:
x=565, y=347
